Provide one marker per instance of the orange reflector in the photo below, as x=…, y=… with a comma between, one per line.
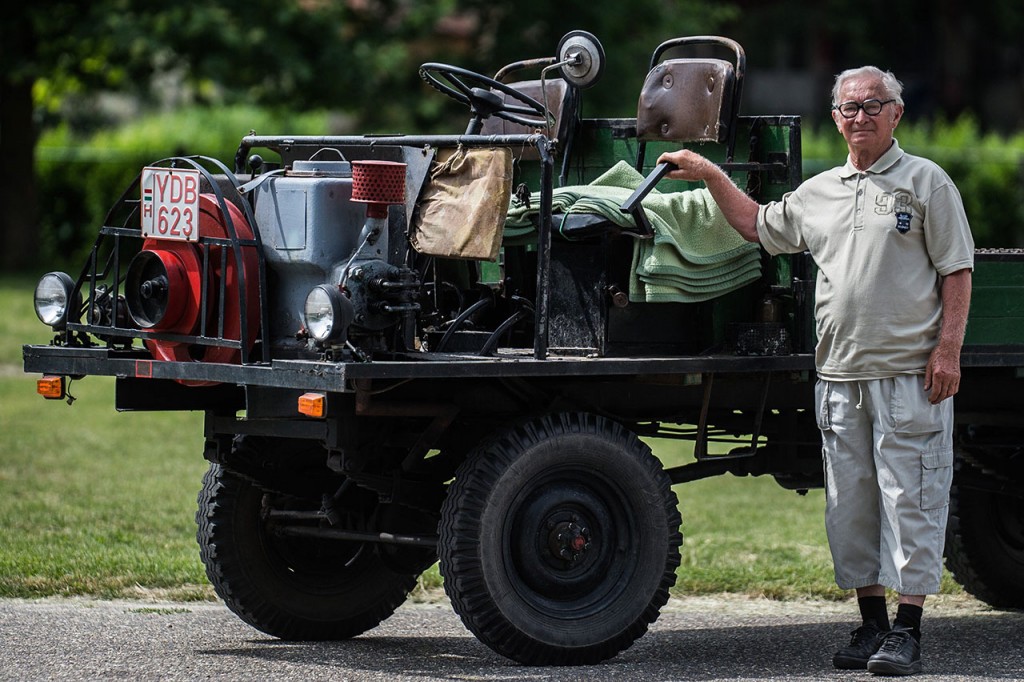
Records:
x=313, y=404
x=50, y=387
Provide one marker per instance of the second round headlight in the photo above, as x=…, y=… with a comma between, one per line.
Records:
x=327, y=313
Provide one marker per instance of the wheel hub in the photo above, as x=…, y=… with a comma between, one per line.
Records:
x=569, y=540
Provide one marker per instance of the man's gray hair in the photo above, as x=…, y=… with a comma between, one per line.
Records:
x=892, y=87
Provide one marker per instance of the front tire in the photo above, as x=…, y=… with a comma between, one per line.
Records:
x=560, y=540
x=291, y=588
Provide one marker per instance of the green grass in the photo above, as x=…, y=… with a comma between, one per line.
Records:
x=18, y=323
x=100, y=503
x=92, y=501
x=96, y=502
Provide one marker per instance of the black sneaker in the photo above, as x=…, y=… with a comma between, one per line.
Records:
x=900, y=654
x=863, y=644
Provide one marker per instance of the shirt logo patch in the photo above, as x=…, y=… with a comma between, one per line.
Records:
x=903, y=222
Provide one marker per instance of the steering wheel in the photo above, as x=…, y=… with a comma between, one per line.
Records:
x=476, y=91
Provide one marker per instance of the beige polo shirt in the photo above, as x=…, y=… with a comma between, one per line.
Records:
x=882, y=240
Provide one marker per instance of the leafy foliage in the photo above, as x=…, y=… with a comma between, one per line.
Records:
x=628, y=31
x=83, y=177
x=987, y=168
x=89, y=66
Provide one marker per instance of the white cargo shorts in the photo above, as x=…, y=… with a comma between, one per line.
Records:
x=888, y=456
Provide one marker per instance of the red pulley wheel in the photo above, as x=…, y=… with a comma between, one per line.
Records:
x=183, y=261
x=163, y=287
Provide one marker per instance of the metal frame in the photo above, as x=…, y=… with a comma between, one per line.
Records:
x=128, y=206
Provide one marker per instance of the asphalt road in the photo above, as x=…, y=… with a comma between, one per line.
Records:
x=730, y=638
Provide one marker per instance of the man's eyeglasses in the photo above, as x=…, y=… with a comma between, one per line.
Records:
x=871, y=107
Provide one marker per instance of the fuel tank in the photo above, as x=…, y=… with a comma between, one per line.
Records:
x=308, y=223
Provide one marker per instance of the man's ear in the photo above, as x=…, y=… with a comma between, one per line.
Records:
x=837, y=119
x=897, y=115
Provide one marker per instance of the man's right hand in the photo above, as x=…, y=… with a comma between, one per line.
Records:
x=690, y=166
x=739, y=209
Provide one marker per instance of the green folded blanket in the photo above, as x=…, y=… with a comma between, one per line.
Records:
x=601, y=197
x=668, y=290
x=695, y=254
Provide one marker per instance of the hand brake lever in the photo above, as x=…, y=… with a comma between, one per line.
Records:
x=632, y=205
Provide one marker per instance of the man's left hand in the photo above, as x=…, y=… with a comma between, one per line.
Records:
x=942, y=376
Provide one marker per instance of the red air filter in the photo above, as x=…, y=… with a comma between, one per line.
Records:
x=378, y=184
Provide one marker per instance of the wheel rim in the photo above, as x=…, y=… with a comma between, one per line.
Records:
x=319, y=565
x=289, y=587
x=569, y=532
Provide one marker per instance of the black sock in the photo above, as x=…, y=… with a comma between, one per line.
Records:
x=909, y=617
x=873, y=609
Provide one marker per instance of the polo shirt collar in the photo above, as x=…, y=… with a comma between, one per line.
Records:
x=884, y=162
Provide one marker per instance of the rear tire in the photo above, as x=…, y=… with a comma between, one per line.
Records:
x=292, y=588
x=985, y=538
x=560, y=540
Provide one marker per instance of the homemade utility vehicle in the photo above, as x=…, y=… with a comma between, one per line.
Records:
x=452, y=348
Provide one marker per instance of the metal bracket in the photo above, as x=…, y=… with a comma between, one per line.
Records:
x=700, y=447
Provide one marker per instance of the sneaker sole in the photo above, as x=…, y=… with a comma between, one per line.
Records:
x=893, y=668
x=847, y=663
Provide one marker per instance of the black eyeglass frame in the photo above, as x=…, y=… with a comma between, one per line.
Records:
x=862, y=105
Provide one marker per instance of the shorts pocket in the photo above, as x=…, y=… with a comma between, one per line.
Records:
x=822, y=391
x=936, y=477
x=911, y=411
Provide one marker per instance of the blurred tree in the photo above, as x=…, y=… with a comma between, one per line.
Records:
x=360, y=57
x=50, y=50
x=628, y=31
x=953, y=57
x=57, y=54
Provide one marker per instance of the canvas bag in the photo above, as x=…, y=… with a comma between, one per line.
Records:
x=464, y=203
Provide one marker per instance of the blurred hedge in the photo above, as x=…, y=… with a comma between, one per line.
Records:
x=988, y=169
x=79, y=179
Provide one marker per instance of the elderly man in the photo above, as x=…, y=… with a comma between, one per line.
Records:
x=894, y=253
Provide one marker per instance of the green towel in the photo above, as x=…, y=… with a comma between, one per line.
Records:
x=658, y=289
x=601, y=197
x=695, y=254
x=698, y=275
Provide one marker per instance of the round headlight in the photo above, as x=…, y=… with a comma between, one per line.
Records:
x=327, y=313
x=53, y=300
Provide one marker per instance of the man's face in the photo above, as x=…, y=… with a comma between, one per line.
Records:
x=867, y=135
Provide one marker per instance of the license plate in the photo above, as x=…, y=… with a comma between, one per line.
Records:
x=170, y=203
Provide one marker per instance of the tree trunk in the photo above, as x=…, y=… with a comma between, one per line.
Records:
x=19, y=228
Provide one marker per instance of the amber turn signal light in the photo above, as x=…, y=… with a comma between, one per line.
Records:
x=313, y=404
x=51, y=387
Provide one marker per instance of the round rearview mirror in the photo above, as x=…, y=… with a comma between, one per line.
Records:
x=584, y=58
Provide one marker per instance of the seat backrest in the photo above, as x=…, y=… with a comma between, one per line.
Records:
x=560, y=101
x=687, y=100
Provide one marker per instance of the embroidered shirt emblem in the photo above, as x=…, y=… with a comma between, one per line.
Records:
x=903, y=222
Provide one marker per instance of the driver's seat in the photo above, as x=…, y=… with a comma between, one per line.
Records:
x=562, y=101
